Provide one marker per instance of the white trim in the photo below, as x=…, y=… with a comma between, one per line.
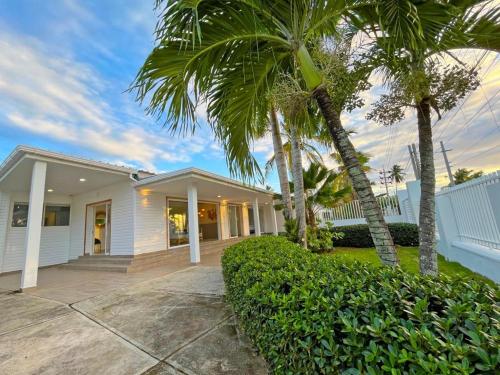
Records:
x=24, y=152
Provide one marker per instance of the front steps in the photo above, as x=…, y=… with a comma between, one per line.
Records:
x=140, y=262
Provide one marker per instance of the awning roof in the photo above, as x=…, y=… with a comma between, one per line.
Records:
x=211, y=187
x=63, y=172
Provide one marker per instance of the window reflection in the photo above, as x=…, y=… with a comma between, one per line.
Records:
x=178, y=223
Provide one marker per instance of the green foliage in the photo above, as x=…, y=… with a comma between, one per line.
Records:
x=462, y=175
x=403, y=234
x=292, y=230
x=321, y=239
x=310, y=314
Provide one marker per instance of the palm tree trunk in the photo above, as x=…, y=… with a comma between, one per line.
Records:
x=371, y=209
x=298, y=185
x=279, y=157
x=311, y=217
x=427, y=226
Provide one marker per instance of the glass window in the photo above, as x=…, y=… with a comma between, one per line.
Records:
x=178, y=223
x=20, y=215
x=56, y=216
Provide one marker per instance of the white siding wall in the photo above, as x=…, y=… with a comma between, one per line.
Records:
x=4, y=218
x=150, y=222
x=54, y=242
x=122, y=218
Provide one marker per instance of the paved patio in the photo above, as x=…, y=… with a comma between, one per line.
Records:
x=167, y=320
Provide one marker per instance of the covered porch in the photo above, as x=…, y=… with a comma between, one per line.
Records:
x=200, y=209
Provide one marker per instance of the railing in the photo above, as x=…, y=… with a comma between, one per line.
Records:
x=475, y=206
x=352, y=212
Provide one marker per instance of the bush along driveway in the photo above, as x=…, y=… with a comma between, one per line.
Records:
x=311, y=314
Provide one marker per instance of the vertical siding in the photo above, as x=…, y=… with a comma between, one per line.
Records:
x=122, y=218
x=54, y=241
x=150, y=222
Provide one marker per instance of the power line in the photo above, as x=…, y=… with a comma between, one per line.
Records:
x=481, y=153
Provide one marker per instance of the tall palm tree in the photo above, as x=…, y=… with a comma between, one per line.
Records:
x=397, y=175
x=420, y=80
x=230, y=53
x=279, y=159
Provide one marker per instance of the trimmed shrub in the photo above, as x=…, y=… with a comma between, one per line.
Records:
x=311, y=314
x=403, y=234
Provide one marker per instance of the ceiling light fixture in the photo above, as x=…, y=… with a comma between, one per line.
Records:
x=218, y=196
x=50, y=190
x=83, y=179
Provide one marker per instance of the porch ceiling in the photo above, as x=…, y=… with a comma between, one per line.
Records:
x=208, y=190
x=62, y=178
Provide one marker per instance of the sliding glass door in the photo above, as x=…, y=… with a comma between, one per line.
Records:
x=178, y=223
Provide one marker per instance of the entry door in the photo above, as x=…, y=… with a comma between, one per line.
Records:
x=98, y=231
x=233, y=221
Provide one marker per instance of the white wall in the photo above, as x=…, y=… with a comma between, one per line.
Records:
x=54, y=242
x=150, y=222
x=122, y=196
x=468, y=221
x=4, y=218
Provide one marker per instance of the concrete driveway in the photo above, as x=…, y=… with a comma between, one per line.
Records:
x=174, y=322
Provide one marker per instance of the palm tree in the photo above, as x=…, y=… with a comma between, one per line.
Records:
x=462, y=175
x=230, y=53
x=419, y=81
x=280, y=161
x=320, y=190
x=397, y=175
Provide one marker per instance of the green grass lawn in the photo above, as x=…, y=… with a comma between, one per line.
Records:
x=408, y=257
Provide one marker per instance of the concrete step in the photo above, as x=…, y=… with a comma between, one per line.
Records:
x=96, y=267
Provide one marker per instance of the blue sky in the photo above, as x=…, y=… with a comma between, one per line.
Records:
x=64, y=67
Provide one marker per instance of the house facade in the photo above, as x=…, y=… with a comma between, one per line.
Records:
x=55, y=208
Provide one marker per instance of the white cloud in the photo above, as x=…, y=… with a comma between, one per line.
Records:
x=62, y=99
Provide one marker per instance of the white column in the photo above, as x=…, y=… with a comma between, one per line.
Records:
x=34, y=227
x=194, y=237
x=274, y=223
x=256, y=221
x=245, y=225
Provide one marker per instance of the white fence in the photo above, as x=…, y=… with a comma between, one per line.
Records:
x=351, y=213
x=468, y=220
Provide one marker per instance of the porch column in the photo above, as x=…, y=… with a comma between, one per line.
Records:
x=34, y=226
x=194, y=236
x=256, y=221
x=274, y=223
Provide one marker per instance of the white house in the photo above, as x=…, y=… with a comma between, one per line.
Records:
x=55, y=208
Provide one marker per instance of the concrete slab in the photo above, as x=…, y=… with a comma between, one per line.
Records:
x=221, y=351
x=164, y=369
x=70, y=344
x=196, y=280
x=19, y=310
x=156, y=321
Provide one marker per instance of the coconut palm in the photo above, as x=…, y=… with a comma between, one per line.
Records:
x=280, y=161
x=230, y=54
x=397, y=175
x=420, y=78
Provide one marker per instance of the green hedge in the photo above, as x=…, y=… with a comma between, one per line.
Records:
x=311, y=314
x=403, y=234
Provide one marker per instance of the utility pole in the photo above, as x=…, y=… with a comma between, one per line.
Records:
x=385, y=177
x=414, y=162
x=417, y=160
x=447, y=163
